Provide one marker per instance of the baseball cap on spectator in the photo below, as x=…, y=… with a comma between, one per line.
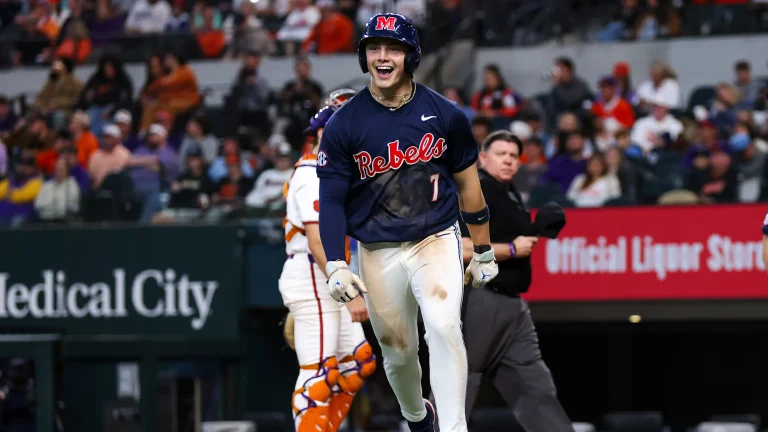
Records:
x=521, y=129
x=739, y=142
x=276, y=140
x=325, y=4
x=123, y=116
x=607, y=81
x=621, y=70
x=158, y=129
x=82, y=117
x=283, y=150
x=112, y=130
x=194, y=151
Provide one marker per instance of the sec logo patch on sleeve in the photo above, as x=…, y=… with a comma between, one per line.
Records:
x=322, y=159
x=317, y=206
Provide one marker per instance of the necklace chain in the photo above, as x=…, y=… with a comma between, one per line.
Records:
x=404, y=98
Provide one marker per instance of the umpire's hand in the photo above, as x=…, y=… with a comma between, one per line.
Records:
x=524, y=245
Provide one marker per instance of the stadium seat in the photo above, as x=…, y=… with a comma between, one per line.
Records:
x=583, y=427
x=628, y=421
x=619, y=202
x=750, y=418
x=678, y=197
x=542, y=194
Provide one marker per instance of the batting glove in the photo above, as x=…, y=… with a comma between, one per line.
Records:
x=342, y=283
x=482, y=269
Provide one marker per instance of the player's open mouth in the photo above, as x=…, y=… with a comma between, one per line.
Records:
x=384, y=71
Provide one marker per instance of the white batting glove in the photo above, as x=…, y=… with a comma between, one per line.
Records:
x=342, y=283
x=482, y=269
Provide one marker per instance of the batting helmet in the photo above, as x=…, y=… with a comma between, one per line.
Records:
x=392, y=26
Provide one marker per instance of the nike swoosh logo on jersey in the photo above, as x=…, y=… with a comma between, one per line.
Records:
x=425, y=118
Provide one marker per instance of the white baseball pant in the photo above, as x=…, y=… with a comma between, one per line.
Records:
x=323, y=328
x=427, y=274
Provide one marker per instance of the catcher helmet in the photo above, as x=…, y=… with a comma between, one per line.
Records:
x=335, y=100
x=392, y=26
x=339, y=97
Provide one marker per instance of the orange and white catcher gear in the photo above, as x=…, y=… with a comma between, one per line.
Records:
x=334, y=356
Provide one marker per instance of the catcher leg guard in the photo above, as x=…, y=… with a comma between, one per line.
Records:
x=310, y=400
x=354, y=370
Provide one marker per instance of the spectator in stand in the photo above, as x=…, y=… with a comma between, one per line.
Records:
x=568, y=163
x=333, y=34
x=595, y=185
x=190, y=192
x=567, y=122
x=148, y=17
x=250, y=94
x=111, y=158
x=8, y=118
x=175, y=135
x=723, y=110
x=107, y=25
x=85, y=141
x=244, y=32
x=569, y=92
x=708, y=142
x=32, y=133
x=621, y=168
x=714, y=180
x=74, y=44
x=77, y=172
x=235, y=186
x=218, y=169
x=124, y=120
x=749, y=88
x=108, y=89
x=199, y=136
x=300, y=99
x=46, y=159
x=3, y=160
x=657, y=129
x=481, y=128
x=206, y=25
x=622, y=72
x=622, y=27
x=269, y=186
x=749, y=161
x=495, y=99
x=297, y=26
x=614, y=111
x=59, y=197
x=658, y=20
x=274, y=9
x=458, y=97
x=17, y=193
x=662, y=86
x=155, y=165
x=60, y=93
x=176, y=92
x=179, y=20
x=36, y=30
x=533, y=166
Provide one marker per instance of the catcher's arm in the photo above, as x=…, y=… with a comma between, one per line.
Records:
x=316, y=246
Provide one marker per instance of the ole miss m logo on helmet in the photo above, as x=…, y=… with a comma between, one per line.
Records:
x=428, y=149
x=386, y=23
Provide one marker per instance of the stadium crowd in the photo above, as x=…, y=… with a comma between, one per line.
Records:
x=92, y=151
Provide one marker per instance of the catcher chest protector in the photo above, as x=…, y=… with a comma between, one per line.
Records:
x=396, y=27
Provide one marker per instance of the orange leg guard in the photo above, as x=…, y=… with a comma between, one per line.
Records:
x=310, y=402
x=351, y=381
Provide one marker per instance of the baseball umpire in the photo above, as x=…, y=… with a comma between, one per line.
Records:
x=499, y=334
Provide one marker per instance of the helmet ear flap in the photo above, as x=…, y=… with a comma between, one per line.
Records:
x=412, y=60
x=362, y=57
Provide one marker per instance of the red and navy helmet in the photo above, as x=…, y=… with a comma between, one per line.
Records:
x=392, y=26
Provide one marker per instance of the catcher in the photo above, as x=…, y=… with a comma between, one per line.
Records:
x=334, y=357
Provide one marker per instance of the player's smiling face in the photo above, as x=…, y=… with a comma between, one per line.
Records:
x=386, y=62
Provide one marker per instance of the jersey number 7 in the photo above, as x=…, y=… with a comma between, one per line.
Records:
x=435, y=180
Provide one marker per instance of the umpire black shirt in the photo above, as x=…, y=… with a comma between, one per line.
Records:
x=509, y=219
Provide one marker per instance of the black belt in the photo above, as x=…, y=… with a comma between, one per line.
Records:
x=311, y=258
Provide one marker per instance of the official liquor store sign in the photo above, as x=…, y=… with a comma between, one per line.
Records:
x=153, y=280
x=653, y=253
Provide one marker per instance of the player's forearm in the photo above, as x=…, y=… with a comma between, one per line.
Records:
x=333, y=222
x=472, y=201
x=316, y=248
x=765, y=251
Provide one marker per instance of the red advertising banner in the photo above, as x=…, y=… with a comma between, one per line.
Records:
x=653, y=253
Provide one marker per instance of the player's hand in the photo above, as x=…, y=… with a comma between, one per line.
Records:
x=482, y=269
x=342, y=283
x=524, y=246
x=357, y=309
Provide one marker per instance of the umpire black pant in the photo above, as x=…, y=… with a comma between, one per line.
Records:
x=503, y=346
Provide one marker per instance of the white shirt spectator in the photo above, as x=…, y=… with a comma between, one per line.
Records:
x=647, y=126
x=668, y=92
x=56, y=199
x=595, y=195
x=269, y=187
x=299, y=24
x=146, y=17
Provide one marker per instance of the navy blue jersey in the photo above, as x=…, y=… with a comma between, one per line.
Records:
x=399, y=164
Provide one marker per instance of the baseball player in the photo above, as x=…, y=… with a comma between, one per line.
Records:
x=391, y=163
x=334, y=357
